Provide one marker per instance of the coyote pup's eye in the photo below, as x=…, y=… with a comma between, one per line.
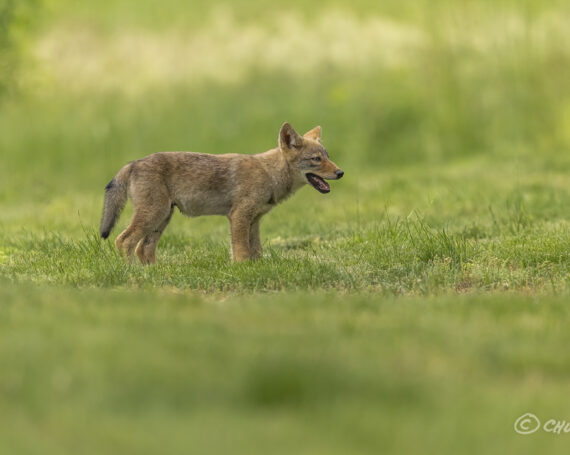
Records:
x=317, y=159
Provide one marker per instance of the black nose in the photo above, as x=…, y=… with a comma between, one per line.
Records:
x=339, y=174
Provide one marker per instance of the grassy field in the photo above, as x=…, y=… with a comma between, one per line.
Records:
x=131, y=372
x=421, y=306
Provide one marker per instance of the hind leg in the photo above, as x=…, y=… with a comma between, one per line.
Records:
x=128, y=239
x=152, y=204
x=146, y=248
x=144, y=222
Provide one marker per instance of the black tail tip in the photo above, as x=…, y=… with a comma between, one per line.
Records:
x=105, y=234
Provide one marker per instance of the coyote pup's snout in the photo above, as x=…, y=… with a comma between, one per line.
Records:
x=241, y=187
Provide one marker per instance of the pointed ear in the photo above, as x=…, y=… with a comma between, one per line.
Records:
x=288, y=137
x=314, y=134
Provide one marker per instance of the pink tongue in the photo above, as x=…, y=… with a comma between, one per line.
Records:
x=319, y=183
x=324, y=185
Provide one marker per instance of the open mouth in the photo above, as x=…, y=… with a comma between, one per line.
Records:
x=318, y=183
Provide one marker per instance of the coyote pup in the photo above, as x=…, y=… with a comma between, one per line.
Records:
x=241, y=187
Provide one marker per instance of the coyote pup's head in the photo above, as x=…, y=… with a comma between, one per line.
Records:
x=308, y=157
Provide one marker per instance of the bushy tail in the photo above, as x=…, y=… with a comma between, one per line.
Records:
x=115, y=200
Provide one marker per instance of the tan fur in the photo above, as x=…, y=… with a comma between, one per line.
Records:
x=241, y=187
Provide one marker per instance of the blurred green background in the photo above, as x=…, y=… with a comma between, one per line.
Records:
x=393, y=84
x=420, y=306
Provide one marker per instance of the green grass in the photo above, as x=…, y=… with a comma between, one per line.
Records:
x=421, y=306
x=123, y=372
x=422, y=237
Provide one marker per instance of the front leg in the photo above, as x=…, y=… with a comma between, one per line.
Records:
x=254, y=239
x=240, y=223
